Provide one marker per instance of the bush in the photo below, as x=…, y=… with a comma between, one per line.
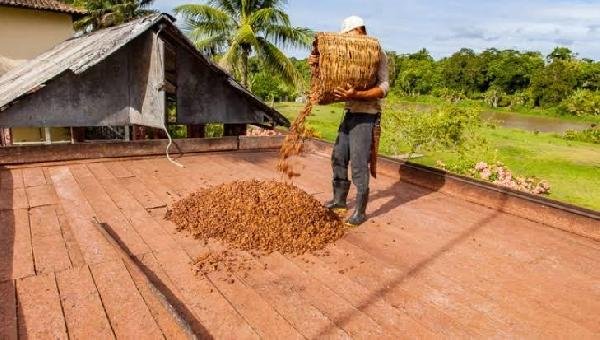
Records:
x=445, y=128
x=591, y=135
x=177, y=131
x=213, y=130
x=582, y=103
x=449, y=95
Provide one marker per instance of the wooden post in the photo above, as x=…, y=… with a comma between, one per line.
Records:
x=234, y=129
x=5, y=137
x=78, y=134
x=196, y=131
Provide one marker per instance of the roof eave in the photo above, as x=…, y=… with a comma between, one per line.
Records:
x=75, y=14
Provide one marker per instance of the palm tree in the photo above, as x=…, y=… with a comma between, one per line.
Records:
x=230, y=30
x=106, y=13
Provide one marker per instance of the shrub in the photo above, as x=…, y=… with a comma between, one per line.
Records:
x=447, y=128
x=591, y=135
x=213, y=130
x=582, y=103
x=449, y=95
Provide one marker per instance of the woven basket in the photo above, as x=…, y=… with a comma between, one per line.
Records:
x=343, y=59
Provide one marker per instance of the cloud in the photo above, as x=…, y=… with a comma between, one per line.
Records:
x=443, y=27
x=466, y=33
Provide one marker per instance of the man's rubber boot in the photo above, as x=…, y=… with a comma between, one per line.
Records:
x=340, y=194
x=359, y=216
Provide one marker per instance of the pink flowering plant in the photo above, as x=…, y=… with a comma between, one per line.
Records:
x=497, y=173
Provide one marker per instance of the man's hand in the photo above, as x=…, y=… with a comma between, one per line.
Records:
x=313, y=59
x=345, y=94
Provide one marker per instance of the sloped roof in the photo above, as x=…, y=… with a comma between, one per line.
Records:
x=80, y=53
x=7, y=64
x=47, y=5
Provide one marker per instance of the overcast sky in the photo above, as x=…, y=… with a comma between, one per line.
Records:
x=443, y=27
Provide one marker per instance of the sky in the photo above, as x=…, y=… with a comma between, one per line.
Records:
x=443, y=27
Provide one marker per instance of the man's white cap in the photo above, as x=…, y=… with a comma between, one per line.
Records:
x=351, y=23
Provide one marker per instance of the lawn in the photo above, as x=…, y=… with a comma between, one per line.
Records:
x=398, y=101
x=572, y=168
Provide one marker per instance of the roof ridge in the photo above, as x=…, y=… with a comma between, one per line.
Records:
x=49, y=5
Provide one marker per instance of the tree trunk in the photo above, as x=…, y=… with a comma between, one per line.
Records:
x=245, y=55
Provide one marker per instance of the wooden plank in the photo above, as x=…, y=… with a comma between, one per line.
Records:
x=49, y=250
x=11, y=179
x=211, y=309
x=16, y=259
x=504, y=241
x=44, y=221
x=125, y=307
x=153, y=182
x=33, y=177
x=161, y=280
x=118, y=170
x=150, y=231
x=265, y=320
x=432, y=244
x=94, y=247
x=484, y=315
x=107, y=211
x=73, y=249
x=337, y=309
x=305, y=317
x=400, y=320
x=171, y=176
x=418, y=297
x=142, y=194
x=8, y=311
x=41, y=195
x=40, y=313
x=164, y=312
x=84, y=314
x=13, y=199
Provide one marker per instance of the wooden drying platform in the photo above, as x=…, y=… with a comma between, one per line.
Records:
x=441, y=256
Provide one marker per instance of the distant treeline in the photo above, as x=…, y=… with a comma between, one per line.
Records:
x=500, y=77
x=494, y=74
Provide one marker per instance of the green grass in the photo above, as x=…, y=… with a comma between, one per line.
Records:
x=571, y=167
x=397, y=101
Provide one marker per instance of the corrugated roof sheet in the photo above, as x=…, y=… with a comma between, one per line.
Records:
x=80, y=53
x=48, y=5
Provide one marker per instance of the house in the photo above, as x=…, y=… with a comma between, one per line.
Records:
x=129, y=75
x=29, y=28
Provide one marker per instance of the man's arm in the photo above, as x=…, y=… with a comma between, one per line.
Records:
x=350, y=93
x=377, y=92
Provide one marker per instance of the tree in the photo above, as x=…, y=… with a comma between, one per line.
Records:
x=511, y=71
x=589, y=76
x=106, y=13
x=561, y=53
x=463, y=71
x=417, y=73
x=237, y=28
x=554, y=82
x=266, y=85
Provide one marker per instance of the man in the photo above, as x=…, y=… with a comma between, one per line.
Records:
x=353, y=144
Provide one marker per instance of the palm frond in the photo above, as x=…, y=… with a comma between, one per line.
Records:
x=232, y=7
x=196, y=27
x=288, y=36
x=202, y=12
x=278, y=4
x=276, y=61
x=265, y=17
x=230, y=61
x=211, y=45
